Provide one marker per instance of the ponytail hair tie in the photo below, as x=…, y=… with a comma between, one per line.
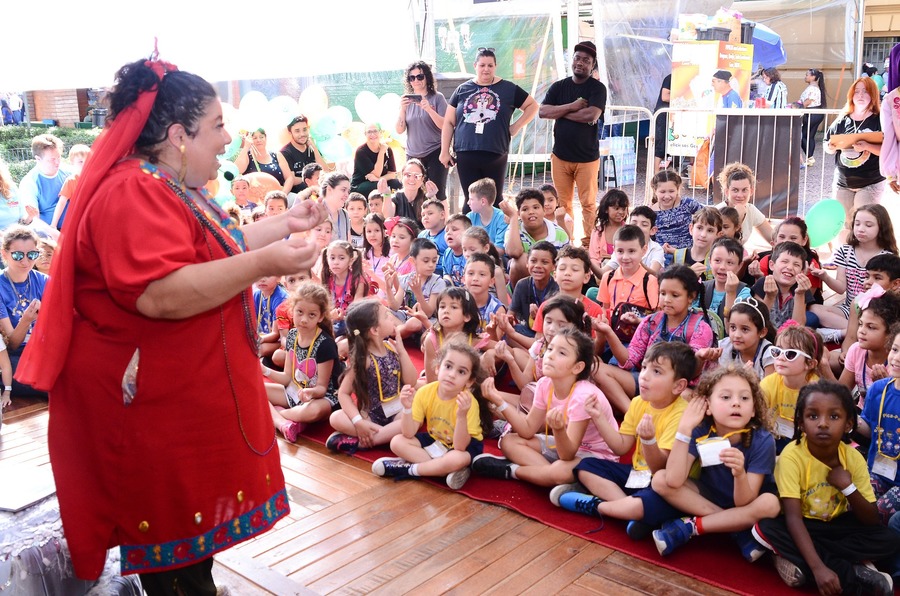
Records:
x=356, y=332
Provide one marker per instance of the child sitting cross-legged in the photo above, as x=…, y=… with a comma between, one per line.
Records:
x=551, y=439
x=454, y=414
x=725, y=427
x=377, y=368
x=830, y=527
x=623, y=490
x=418, y=289
x=530, y=293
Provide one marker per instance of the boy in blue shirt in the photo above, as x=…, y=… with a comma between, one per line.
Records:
x=433, y=215
x=482, y=194
x=453, y=263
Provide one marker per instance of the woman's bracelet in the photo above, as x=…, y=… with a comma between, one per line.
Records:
x=356, y=419
x=683, y=438
x=849, y=490
x=407, y=410
x=502, y=407
x=648, y=441
x=7, y=388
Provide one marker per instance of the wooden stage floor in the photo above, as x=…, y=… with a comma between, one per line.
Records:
x=350, y=532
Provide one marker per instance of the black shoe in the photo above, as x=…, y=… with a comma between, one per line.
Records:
x=872, y=581
x=492, y=466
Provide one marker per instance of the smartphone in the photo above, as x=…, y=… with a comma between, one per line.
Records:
x=413, y=97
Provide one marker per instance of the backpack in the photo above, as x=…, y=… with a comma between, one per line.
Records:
x=690, y=327
x=680, y=258
x=623, y=330
x=716, y=317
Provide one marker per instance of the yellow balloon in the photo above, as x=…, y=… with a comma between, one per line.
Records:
x=355, y=134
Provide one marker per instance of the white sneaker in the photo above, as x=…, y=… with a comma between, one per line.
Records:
x=560, y=489
x=811, y=161
x=835, y=336
x=456, y=480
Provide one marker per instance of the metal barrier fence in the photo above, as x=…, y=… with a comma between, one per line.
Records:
x=757, y=129
x=628, y=156
x=619, y=148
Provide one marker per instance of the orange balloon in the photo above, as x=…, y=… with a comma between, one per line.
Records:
x=260, y=184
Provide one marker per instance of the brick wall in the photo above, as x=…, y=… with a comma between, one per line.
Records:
x=61, y=105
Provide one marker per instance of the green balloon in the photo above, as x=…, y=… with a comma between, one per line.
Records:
x=825, y=221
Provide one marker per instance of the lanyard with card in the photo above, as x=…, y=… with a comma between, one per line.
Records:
x=390, y=406
x=884, y=465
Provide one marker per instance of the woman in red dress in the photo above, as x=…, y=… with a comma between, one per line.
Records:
x=159, y=434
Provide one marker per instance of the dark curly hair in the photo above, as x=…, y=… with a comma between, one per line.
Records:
x=426, y=70
x=182, y=98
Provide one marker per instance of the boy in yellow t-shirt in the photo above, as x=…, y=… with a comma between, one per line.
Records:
x=623, y=490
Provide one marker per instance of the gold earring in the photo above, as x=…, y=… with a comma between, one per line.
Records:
x=183, y=172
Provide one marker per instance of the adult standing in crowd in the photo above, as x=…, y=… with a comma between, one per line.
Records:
x=776, y=93
x=158, y=371
x=39, y=188
x=254, y=156
x=12, y=210
x=422, y=111
x=857, y=177
x=662, y=123
x=300, y=150
x=577, y=104
x=813, y=98
x=478, y=125
x=374, y=165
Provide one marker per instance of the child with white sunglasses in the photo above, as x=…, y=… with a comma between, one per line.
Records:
x=798, y=353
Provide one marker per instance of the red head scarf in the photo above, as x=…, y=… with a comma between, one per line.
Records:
x=48, y=347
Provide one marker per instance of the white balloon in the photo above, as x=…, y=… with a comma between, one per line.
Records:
x=366, y=104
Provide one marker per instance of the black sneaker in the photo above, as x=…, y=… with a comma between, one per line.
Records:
x=638, y=530
x=343, y=443
x=492, y=466
x=872, y=581
x=391, y=467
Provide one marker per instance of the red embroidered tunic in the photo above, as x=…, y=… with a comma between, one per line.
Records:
x=189, y=466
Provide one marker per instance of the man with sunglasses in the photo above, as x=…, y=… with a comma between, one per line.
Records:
x=301, y=150
x=577, y=104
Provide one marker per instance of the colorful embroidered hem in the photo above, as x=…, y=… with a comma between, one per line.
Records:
x=178, y=553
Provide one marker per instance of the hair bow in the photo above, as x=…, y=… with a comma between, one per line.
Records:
x=864, y=298
x=391, y=222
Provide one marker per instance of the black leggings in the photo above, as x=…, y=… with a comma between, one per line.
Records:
x=193, y=580
x=475, y=165
x=809, y=126
x=840, y=543
x=435, y=171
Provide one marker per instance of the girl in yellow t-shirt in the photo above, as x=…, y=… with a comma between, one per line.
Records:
x=455, y=416
x=830, y=523
x=798, y=352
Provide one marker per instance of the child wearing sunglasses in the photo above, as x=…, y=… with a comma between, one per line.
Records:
x=797, y=352
x=21, y=291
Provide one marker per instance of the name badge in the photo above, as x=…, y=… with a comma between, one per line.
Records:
x=884, y=466
x=436, y=449
x=479, y=128
x=710, y=451
x=391, y=407
x=784, y=428
x=638, y=479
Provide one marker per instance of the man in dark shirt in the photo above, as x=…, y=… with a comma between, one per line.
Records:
x=301, y=150
x=576, y=103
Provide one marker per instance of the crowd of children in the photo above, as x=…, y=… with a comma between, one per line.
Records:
x=663, y=375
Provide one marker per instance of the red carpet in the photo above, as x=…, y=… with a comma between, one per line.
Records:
x=713, y=559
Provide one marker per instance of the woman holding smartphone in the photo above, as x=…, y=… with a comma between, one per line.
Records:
x=422, y=111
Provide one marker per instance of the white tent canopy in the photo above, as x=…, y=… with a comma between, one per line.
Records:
x=220, y=41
